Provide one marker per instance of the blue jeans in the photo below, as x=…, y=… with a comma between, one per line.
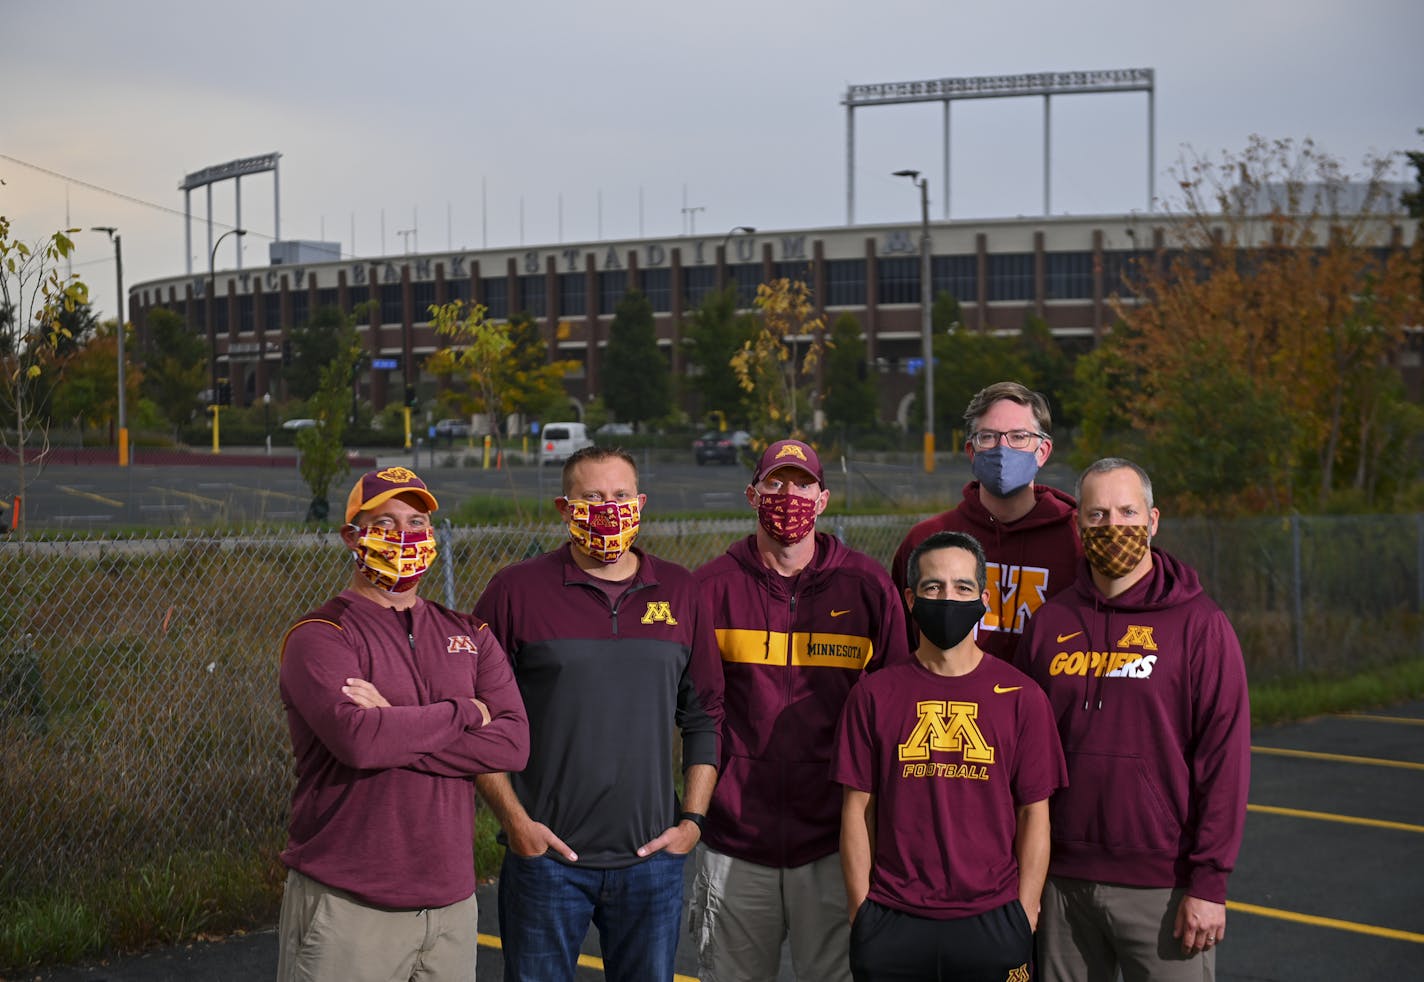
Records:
x=545, y=908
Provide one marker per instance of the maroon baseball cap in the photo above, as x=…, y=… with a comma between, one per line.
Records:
x=789, y=453
x=375, y=487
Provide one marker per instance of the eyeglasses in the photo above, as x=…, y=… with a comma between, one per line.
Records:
x=1017, y=439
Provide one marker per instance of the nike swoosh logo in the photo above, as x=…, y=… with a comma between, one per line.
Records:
x=1001, y=689
x=838, y=613
x=1068, y=637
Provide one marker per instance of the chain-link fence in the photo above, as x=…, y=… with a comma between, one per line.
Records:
x=139, y=714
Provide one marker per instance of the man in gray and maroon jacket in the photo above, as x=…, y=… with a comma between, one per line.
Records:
x=799, y=617
x=394, y=705
x=612, y=648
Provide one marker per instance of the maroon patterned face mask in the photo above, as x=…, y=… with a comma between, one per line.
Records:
x=787, y=518
x=1115, y=550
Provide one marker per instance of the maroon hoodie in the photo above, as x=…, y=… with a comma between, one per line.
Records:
x=1149, y=690
x=792, y=648
x=1029, y=560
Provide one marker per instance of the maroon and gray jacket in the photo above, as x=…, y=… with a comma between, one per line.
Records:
x=1030, y=560
x=604, y=684
x=1149, y=690
x=792, y=648
x=384, y=803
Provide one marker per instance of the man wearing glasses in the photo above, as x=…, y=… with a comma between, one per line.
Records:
x=1028, y=531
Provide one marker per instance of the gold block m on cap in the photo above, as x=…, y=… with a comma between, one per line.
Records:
x=789, y=453
x=375, y=487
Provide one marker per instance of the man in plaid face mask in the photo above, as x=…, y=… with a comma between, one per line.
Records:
x=1148, y=685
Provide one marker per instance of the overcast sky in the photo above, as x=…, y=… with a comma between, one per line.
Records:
x=451, y=116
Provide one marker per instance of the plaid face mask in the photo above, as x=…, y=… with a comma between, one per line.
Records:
x=1115, y=550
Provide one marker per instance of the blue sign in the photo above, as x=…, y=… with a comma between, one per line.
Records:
x=386, y=363
x=913, y=366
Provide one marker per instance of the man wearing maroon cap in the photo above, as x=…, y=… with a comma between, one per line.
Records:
x=394, y=705
x=799, y=617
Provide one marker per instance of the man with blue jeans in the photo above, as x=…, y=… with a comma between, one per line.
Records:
x=611, y=647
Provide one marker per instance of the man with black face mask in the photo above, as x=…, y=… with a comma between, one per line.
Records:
x=799, y=617
x=1027, y=529
x=947, y=765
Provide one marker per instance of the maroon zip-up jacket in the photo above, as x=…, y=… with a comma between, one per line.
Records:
x=792, y=648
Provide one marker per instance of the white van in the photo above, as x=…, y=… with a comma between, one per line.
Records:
x=558, y=441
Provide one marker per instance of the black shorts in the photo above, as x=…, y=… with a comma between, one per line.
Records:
x=887, y=945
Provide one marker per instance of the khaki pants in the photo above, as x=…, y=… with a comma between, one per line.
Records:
x=1088, y=931
x=741, y=912
x=326, y=935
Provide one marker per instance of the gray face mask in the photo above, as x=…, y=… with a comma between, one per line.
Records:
x=1004, y=470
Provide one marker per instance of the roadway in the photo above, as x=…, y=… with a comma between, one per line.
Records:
x=92, y=497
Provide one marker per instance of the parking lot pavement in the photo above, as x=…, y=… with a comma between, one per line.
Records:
x=1328, y=883
x=1328, y=886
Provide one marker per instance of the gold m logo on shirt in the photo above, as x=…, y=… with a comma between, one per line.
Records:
x=1015, y=594
x=659, y=611
x=460, y=642
x=947, y=728
x=1138, y=636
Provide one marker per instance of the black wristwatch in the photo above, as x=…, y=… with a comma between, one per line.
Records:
x=696, y=818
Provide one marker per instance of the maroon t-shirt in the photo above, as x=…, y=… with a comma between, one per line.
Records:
x=949, y=760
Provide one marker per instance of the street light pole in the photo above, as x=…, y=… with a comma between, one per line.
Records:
x=744, y=229
x=212, y=331
x=926, y=341
x=112, y=232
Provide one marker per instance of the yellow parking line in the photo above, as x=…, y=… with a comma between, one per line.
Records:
x=1354, y=926
x=587, y=961
x=279, y=494
x=91, y=496
x=1338, y=758
x=188, y=494
x=1376, y=823
x=1407, y=720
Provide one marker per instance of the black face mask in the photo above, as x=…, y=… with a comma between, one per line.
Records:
x=947, y=622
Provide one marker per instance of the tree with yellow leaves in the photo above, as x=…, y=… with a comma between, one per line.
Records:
x=502, y=365
x=34, y=301
x=771, y=367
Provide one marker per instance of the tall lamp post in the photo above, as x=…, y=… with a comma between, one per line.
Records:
x=926, y=342
x=119, y=275
x=744, y=229
x=212, y=332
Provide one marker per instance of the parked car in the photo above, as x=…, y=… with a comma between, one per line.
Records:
x=720, y=448
x=558, y=441
x=299, y=424
x=615, y=429
x=452, y=428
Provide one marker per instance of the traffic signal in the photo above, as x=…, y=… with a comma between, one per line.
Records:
x=410, y=399
x=224, y=392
